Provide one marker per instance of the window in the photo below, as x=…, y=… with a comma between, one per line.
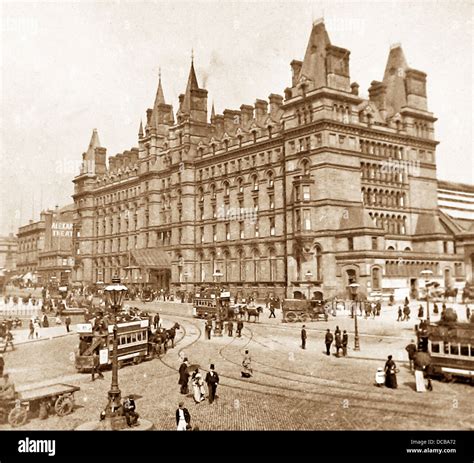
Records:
x=201, y=234
x=306, y=193
x=227, y=231
x=374, y=243
x=214, y=232
x=297, y=193
x=240, y=184
x=214, y=211
x=435, y=347
x=254, y=183
x=376, y=278
x=445, y=247
x=201, y=212
x=272, y=226
x=270, y=180
x=297, y=219
x=213, y=191
x=271, y=200
x=350, y=243
x=226, y=188
x=255, y=204
x=307, y=219
x=241, y=230
x=257, y=232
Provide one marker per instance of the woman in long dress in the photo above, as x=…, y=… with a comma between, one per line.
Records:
x=198, y=386
x=246, y=365
x=390, y=373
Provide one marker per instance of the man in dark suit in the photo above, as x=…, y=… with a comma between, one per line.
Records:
x=129, y=410
x=183, y=418
x=328, y=341
x=303, y=337
x=184, y=376
x=212, y=380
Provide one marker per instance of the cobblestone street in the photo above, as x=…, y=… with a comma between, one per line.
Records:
x=290, y=388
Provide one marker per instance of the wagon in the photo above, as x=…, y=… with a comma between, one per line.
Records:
x=57, y=398
x=300, y=310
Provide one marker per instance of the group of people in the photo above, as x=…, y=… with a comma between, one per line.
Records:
x=211, y=326
x=341, y=341
x=187, y=371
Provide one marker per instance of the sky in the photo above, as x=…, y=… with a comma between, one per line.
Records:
x=69, y=67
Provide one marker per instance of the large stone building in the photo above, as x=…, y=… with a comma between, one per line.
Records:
x=309, y=193
x=45, y=253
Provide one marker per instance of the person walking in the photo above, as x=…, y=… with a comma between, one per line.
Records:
x=240, y=327
x=198, y=386
x=37, y=326
x=212, y=381
x=420, y=311
x=67, y=323
x=32, y=329
x=247, y=366
x=328, y=341
x=230, y=328
x=400, y=314
x=8, y=340
x=345, y=342
x=303, y=337
x=183, y=418
x=338, y=343
x=208, y=329
x=390, y=373
x=272, y=307
x=184, y=376
x=411, y=349
x=96, y=366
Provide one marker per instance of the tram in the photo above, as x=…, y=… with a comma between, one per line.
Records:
x=133, y=344
x=208, y=302
x=451, y=347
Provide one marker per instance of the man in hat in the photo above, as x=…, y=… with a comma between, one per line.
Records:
x=184, y=376
x=345, y=341
x=183, y=418
x=208, y=329
x=411, y=349
x=212, y=380
x=303, y=337
x=240, y=327
x=129, y=411
x=328, y=341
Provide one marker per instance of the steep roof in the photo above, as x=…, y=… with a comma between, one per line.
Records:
x=191, y=85
x=394, y=79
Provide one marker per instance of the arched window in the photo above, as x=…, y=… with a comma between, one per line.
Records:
x=240, y=185
x=227, y=276
x=254, y=183
x=305, y=167
x=241, y=258
x=271, y=180
x=273, y=269
x=318, y=259
x=226, y=188
x=212, y=189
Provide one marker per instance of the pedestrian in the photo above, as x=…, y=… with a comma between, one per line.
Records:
x=184, y=376
x=420, y=311
x=303, y=337
x=240, y=327
x=32, y=329
x=67, y=322
x=129, y=408
x=411, y=349
x=208, y=329
x=156, y=321
x=328, y=341
x=468, y=313
x=435, y=309
x=212, y=381
x=198, y=386
x=8, y=340
x=400, y=314
x=96, y=366
x=406, y=312
x=183, y=418
x=230, y=328
x=247, y=366
x=390, y=373
x=338, y=343
x=37, y=326
x=2, y=365
x=345, y=341
x=272, y=307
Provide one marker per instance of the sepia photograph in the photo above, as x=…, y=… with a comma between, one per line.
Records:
x=237, y=216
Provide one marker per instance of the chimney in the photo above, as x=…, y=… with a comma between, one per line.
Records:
x=295, y=68
x=355, y=88
x=247, y=114
x=275, y=103
x=231, y=121
x=261, y=111
x=149, y=112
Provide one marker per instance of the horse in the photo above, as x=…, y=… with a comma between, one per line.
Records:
x=253, y=312
x=160, y=339
x=450, y=292
x=171, y=333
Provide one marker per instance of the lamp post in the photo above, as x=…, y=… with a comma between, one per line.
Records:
x=427, y=274
x=185, y=276
x=354, y=288
x=218, y=330
x=308, y=276
x=115, y=294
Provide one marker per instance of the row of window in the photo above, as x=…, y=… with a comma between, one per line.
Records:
x=131, y=338
x=383, y=198
x=392, y=224
x=229, y=236
x=384, y=173
x=452, y=348
x=381, y=149
x=118, y=196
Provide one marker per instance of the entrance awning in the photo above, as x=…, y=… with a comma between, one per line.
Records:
x=151, y=259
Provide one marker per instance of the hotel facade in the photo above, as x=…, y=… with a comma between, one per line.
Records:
x=299, y=195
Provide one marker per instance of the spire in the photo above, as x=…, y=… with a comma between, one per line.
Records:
x=394, y=79
x=140, y=130
x=93, y=144
x=191, y=85
x=160, y=97
x=314, y=63
x=213, y=111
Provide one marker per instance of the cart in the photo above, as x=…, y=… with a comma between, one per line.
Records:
x=57, y=398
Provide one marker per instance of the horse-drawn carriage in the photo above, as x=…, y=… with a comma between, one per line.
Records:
x=43, y=400
x=300, y=310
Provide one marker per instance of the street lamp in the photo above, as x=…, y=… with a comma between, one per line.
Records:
x=427, y=274
x=115, y=294
x=354, y=288
x=218, y=329
x=308, y=276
